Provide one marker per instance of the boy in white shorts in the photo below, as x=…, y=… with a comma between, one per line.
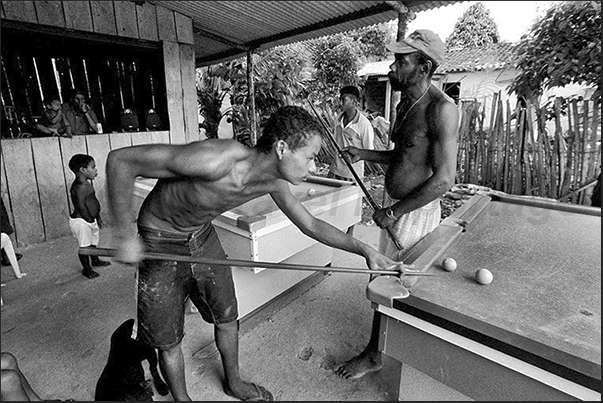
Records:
x=85, y=220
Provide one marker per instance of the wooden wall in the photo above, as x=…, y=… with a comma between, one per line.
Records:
x=35, y=178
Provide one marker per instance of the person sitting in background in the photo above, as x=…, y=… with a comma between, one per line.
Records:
x=80, y=117
x=7, y=229
x=7, y=248
x=53, y=120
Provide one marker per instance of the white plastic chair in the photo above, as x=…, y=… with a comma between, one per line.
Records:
x=7, y=245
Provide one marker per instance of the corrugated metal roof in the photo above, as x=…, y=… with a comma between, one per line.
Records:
x=225, y=30
x=487, y=57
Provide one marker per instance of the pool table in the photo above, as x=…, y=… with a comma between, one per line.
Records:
x=533, y=333
x=259, y=231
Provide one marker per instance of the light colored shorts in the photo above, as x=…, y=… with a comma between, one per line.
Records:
x=86, y=233
x=410, y=229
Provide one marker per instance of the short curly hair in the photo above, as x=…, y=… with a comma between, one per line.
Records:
x=79, y=161
x=292, y=124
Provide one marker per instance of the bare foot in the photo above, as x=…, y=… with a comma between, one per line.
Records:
x=249, y=391
x=359, y=366
x=21, y=275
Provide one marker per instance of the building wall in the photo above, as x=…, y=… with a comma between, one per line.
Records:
x=35, y=179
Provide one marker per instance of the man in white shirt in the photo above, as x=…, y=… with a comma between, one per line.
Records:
x=353, y=129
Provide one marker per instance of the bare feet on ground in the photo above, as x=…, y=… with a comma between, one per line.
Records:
x=249, y=391
x=359, y=366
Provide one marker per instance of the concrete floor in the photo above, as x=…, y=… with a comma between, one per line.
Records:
x=58, y=325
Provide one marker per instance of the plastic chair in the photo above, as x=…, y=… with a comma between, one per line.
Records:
x=7, y=245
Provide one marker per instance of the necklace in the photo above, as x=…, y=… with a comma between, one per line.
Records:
x=416, y=102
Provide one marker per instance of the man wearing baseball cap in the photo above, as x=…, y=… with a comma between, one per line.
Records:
x=421, y=166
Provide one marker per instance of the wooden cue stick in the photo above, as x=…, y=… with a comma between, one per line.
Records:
x=248, y=263
x=345, y=158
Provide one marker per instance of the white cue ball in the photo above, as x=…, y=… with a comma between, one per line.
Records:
x=483, y=276
x=449, y=264
x=311, y=192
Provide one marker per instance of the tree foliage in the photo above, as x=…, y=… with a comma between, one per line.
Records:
x=475, y=28
x=563, y=47
x=285, y=75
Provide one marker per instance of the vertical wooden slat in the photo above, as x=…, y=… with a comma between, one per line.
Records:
x=166, y=25
x=103, y=17
x=184, y=29
x=567, y=175
x=541, y=158
x=490, y=158
x=125, y=19
x=51, y=187
x=519, y=149
x=98, y=148
x=507, y=165
x=139, y=138
x=189, y=92
x=69, y=147
x=23, y=191
x=119, y=140
x=577, y=160
x=557, y=162
x=146, y=15
x=50, y=13
x=585, y=146
x=78, y=15
x=500, y=156
x=527, y=155
x=173, y=84
x=24, y=11
x=596, y=141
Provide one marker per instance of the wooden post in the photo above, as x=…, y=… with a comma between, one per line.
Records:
x=251, y=99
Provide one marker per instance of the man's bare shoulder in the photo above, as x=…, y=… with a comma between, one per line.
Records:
x=217, y=144
x=440, y=98
x=221, y=149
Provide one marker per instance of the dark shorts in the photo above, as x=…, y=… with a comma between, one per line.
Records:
x=164, y=286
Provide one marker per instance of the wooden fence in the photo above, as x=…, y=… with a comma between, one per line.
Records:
x=520, y=152
x=36, y=179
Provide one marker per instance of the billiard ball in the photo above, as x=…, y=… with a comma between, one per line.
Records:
x=449, y=264
x=483, y=276
x=311, y=192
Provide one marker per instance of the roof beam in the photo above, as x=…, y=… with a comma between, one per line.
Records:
x=218, y=38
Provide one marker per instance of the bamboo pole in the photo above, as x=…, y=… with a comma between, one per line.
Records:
x=491, y=159
x=517, y=155
x=500, y=157
x=507, y=168
x=567, y=174
x=529, y=151
x=575, y=180
x=251, y=99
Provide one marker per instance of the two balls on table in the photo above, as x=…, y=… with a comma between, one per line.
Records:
x=482, y=276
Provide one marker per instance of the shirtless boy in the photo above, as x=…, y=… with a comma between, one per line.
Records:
x=197, y=182
x=85, y=219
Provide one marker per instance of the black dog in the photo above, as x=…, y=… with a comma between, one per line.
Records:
x=123, y=377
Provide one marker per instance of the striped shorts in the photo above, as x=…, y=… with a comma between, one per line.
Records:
x=410, y=229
